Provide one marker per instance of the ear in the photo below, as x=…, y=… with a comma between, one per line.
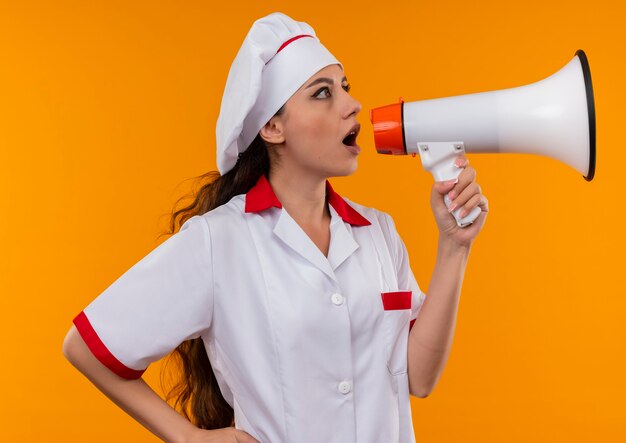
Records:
x=272, y=132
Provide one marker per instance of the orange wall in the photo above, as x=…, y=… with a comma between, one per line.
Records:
x=106, y=108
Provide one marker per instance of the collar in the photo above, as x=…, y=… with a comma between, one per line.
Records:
x=262, y=197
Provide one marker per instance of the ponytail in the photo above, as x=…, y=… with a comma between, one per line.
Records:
x=196, y=393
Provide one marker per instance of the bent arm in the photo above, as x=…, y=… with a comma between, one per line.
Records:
x=134, y=396
x=431, y=337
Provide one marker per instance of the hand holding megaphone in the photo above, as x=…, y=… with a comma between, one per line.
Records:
x=466, y=196
x=554, y=117
x=462, y=220
x=439, y=159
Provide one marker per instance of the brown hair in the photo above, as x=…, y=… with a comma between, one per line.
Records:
x=195, y=391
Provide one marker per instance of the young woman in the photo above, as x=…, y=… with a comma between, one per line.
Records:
x=294, y=310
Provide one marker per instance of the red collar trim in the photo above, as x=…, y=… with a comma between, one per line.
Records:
x=262, y=197
x=347, y=212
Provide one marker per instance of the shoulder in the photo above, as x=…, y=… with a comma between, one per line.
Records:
x=225, y=220
x=227, y=213
x=205, y=232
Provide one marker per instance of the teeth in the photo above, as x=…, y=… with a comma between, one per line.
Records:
x=350, y=139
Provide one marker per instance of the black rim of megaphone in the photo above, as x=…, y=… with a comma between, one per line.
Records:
x=591, y=110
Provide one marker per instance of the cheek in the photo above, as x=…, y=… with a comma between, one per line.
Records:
x=313, y=135
x=310, y=130
x=314, y=123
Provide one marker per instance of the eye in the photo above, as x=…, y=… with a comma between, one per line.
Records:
x=324, y=89
x=346, y=87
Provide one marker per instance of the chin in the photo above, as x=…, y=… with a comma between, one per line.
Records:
x=345, y=170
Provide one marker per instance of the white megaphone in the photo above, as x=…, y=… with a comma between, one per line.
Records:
x=554, y=117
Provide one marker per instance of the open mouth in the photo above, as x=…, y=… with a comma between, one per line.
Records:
x=350, y=139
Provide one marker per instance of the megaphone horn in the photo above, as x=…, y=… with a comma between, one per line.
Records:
x=554, y=117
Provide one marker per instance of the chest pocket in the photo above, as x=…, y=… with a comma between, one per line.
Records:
x=396, y=306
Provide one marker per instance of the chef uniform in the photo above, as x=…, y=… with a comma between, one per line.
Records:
x=304, y=347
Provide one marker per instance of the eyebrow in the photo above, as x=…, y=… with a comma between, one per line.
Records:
x=324, y=80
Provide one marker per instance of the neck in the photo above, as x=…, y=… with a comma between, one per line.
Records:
x=304, y=198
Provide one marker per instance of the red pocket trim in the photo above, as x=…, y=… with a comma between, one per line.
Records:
x=396, y=300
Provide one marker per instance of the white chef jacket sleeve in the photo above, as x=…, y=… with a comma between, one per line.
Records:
x=406, y=279
x=161, y=301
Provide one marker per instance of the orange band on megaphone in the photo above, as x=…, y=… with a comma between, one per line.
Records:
x=388, y=131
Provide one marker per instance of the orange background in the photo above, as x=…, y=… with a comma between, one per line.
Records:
x=107, y=108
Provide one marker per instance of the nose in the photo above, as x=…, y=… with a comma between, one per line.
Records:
x=353, y=106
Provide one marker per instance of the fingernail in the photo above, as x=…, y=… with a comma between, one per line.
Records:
x=463, y=213
x=452, y=195
x=452, y=207
x=459, y=162
x=449, y=182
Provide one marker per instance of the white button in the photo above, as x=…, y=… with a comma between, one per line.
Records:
x=345, y=387
x=337, y=299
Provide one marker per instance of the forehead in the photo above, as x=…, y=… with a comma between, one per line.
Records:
x=332, y=72
x=329, y=71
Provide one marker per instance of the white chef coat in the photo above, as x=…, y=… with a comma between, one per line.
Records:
x=305, y=348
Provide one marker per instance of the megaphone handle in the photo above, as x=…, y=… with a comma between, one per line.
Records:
x=438, y=158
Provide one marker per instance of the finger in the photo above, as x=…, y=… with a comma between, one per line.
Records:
x=443, y=187
x=477, y=200
x=466, y=176
x=461, y=161
x=470, y=191
x=484, y=204
x=469, y=205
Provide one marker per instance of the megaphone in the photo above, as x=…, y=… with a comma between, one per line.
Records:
x=554, y=117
